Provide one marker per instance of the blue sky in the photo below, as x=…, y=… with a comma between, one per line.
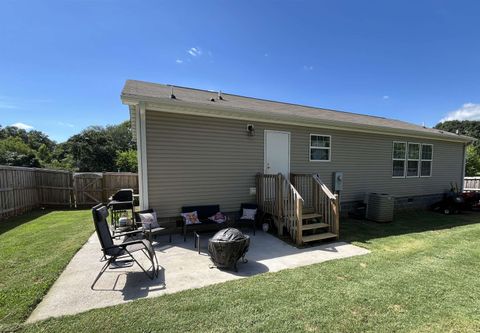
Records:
x=63, y=63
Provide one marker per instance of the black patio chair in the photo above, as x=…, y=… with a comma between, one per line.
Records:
x=252, y=223
x=150, y=232
x=113, y=251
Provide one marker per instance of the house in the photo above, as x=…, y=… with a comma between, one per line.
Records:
x=202, y=147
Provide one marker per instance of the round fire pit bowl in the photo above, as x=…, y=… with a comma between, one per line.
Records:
x=228, y=246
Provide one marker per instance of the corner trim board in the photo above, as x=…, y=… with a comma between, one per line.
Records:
x=142, y=155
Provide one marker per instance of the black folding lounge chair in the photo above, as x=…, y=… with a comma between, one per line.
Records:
x=113, y=251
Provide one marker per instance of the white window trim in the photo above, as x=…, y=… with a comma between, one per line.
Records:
x=414, y=160
x=422, y=159
x=404, y=159
x=328, y=148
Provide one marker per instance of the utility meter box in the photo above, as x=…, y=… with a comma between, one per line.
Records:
x=337, y=181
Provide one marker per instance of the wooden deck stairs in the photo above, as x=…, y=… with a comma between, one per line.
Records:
x=313, y=228
x=305, y=207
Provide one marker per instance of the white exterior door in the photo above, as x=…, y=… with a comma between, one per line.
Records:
x=277, y=152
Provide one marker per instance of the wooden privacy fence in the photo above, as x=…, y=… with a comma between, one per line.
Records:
x=23, y=189
x=94, y=187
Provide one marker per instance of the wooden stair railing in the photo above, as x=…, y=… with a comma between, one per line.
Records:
x=328, y=205
x=307, y=206
x=279, y=198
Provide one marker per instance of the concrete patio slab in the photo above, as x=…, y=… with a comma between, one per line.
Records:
x=181, y=268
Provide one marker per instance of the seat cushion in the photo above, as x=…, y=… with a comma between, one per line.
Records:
x=149, y=220
x=248, y=214
x=218, y=218
x=191, y=218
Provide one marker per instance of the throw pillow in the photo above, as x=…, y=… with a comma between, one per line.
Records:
x=191, y=218
x=249, y=214
x=149, y=220
x=218, y=218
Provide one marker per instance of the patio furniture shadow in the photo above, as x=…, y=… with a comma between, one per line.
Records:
x=136, y=285
x=352, y=230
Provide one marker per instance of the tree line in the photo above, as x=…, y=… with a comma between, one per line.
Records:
x=96, y=148
x=469, y=128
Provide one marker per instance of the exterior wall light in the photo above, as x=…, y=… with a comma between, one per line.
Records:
x=250, y=130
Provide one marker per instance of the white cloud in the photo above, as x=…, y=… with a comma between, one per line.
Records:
x=308, y=68
x=265, y=55
x=386, y=97
x=468, y=111
x=61, y=123
x=22, y=126
x=179, y=61
x=195, y=51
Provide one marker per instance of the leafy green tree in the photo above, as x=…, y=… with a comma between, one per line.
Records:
x=15, y=152
x=35, y=139
x=127, y=161
x=121, y=134
x=469, y=128
x=464, y=127
x=15, y=132
x=472, y=163
x=93, y=150
x=44, y=154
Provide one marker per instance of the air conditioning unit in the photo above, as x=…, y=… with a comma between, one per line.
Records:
x=380, y=207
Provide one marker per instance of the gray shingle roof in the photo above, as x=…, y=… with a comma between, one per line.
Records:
x=145, y=91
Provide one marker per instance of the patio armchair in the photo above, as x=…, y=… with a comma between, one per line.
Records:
x=114, y=251
x=151, y=232
x=250, y=222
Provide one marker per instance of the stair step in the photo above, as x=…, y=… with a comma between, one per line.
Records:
x=315, y=237
x=311, y=216
x=308, y=210
x=314, y=226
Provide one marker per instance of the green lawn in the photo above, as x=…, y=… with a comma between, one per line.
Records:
x=34, y=250
x=423, y=275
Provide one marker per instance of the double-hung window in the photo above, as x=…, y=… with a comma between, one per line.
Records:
x=399, y=156
x=320, y=147
x=426, y=162
x=413, y=160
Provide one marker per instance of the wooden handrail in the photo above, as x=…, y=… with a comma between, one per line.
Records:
x=279, y=198
x=324, y=187
x=328, y=204
x=285, y=202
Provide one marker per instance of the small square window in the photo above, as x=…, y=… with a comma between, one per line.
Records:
x=320, y=147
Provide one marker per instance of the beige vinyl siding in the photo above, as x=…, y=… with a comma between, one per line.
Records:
x=201, y=160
